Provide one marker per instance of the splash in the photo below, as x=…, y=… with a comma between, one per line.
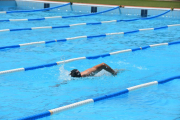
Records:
x=63, y=77
x=102, y=73
x=64, y=74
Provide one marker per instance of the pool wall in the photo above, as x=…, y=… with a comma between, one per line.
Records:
x=87, y=8
x=8, y=3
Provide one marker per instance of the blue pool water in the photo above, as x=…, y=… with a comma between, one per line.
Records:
x=30, y=92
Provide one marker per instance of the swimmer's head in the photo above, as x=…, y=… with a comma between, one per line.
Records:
x=75, y=73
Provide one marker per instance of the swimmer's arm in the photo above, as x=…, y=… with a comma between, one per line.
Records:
x=108, y=68
x=98, y=68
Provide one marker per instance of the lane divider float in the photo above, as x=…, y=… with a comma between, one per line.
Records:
x=45, y=18
x=89, y=57
x=96, y=99
x=94, y=36
x=78, y=24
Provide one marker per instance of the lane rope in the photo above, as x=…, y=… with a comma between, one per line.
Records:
x=89, y=57
x=53, y=17
x=96, y=99
x=77, y=37
x=78, y=24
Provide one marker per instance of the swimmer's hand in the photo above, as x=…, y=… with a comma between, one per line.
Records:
x=116, y=71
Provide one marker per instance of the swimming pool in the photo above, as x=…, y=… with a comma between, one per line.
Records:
x=30, y=92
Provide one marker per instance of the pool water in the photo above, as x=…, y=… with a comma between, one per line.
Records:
x=30, y=92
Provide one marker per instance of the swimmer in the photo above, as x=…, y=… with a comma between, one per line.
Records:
x=92, y=71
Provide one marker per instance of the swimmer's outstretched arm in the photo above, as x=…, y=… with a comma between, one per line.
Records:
x=96, y=69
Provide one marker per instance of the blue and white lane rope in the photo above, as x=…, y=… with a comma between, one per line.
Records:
x=44, y=18
x=89, y=57
x=78, y=24
x=72, y=38
x=92, y=100
x=37, y=10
